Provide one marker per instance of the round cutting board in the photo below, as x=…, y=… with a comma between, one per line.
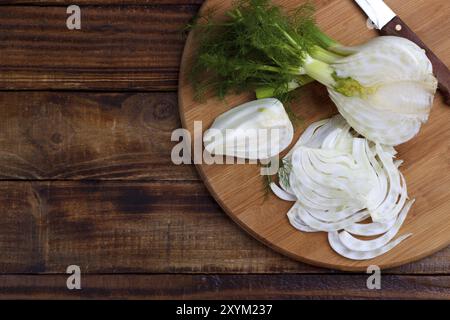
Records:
x=239, y=188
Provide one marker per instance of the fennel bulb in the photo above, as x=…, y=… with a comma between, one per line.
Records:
x=398, y=87
x=256, y=130
x=384, y=88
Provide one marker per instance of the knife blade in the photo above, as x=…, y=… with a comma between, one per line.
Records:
x=390, y=24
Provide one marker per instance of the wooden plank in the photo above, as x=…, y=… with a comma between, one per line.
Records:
x=137, y=227
x=100, y=2
x=20, y=229
x=117, y=48
x=151, y=227
x=124, y=227
x=224, y=287
x=50, y=135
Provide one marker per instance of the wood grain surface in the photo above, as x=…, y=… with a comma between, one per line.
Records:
x=118, y=48
x=53, y=135
x=225, y=287
x=239, y=189
x=86, y=177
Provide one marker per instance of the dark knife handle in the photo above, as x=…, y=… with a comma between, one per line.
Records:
x=396, y=27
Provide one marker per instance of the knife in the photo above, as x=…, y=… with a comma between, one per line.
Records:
x=390, y=24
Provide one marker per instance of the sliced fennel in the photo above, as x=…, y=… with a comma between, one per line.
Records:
x=340, y=248
x=259, y=129
x=356, y=244
x=337, y=180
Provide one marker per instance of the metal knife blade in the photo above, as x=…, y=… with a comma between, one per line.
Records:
x=377, y=11
x=390, y=24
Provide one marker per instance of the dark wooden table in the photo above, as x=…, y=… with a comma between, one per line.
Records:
x=86, y=176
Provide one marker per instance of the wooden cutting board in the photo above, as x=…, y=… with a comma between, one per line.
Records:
x=239, y=188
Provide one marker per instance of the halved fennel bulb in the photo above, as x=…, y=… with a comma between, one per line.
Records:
x=338, y=179
x=259, y=129
x=397, y=91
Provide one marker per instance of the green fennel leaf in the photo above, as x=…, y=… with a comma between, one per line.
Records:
x=257, y=45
